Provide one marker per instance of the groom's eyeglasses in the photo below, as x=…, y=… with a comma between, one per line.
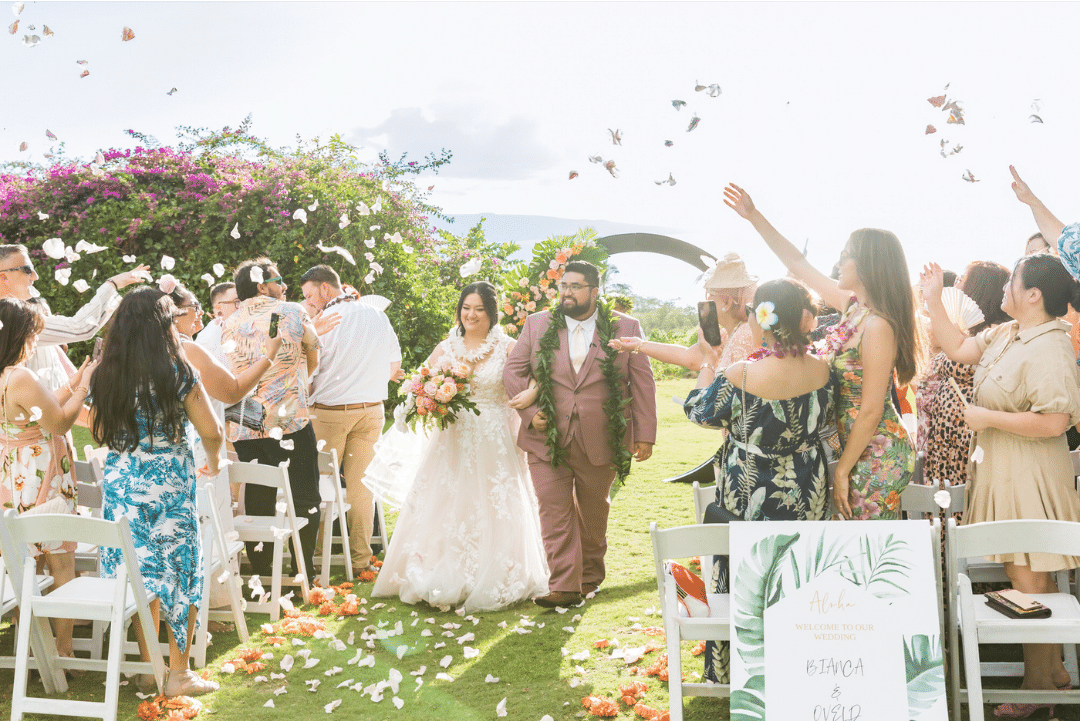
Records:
x=573, y=287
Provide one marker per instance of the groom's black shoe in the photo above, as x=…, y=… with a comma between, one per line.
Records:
x=558, y=598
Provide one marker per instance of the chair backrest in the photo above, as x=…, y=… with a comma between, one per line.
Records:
x=328, y=463
x=259, y=474
x=90, y=497
x=1018, y=536
x=20, y=531
x=702, y=497
x=919, y=499
x=95, y=454
x=88, y=471
x=709, y=539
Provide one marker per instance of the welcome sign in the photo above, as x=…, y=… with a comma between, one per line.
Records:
x=842, y=616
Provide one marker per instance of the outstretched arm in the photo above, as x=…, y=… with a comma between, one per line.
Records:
x=1049, y=225
x=957, y=346
x=739, y=200
x=663, y=352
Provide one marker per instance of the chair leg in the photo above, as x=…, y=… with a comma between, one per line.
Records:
x=346, y=548
x=275, y=582
x=236, y=600
x=675, y=691
x=327, y=544
x=112, y=672
x=298, y=548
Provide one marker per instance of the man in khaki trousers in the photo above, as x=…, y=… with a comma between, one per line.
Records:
x=359, y=356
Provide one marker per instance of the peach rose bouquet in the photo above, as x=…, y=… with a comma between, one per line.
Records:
x=436, y=396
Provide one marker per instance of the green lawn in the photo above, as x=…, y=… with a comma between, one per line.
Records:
x=536, y=671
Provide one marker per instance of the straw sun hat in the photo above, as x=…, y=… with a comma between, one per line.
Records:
x=729, y=272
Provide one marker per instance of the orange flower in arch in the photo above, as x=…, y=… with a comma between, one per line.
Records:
x=553, y=274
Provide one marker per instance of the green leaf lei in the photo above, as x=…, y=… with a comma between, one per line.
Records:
x=613, y=406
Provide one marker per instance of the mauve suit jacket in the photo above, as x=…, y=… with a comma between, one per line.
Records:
x=583, y=395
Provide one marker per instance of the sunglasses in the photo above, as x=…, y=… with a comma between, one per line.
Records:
x=275, y=279
x=28, y=269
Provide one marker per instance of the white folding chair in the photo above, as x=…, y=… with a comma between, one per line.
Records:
x=334, y=508
x=88, y=477
x=975, y=622
x=95, y=454
x=917, y=500
x=686, y=542
x=116, y=600
x=9, y=600
x=277, y=529
x=221, y=557
x=703, y=497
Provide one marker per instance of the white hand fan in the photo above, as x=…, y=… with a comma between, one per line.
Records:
x=960, y=308
x=379, y=302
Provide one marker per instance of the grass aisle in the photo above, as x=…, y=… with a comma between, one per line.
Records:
x=541, y=667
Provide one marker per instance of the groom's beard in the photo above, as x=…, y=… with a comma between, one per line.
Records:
x=575, y=310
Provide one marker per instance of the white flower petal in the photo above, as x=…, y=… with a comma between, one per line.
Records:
x=219, y=269
x=470, y=652
x=471, y=267
x=444, y=677
x=81, y=285
x=500, y=708
x=54, y=248
x=269, y=704
x=491, y=679
x=398, y=703
x=168, y=262
x=208, y=278
x=129, y=258
x=446, y=661
x=977, y=456
x=300, y=215
x=62, y=275
x=235, y=233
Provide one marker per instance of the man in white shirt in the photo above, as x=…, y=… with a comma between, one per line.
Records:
x=17, y=276
x=224, y=301
x=359, y=357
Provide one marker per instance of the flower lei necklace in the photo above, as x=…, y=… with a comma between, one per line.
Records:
x=457, y=344
x=613, y=406
x=830, y=346
x=778, y=350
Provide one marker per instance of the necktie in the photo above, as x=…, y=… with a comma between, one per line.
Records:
x=579, y=348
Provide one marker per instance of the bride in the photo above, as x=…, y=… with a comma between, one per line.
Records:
x=469, y=530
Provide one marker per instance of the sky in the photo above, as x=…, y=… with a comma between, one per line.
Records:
x=821, y=117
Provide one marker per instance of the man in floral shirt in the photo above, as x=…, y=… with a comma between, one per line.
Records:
x=286, y=434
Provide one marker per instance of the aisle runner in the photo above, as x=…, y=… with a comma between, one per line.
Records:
x=842, y=616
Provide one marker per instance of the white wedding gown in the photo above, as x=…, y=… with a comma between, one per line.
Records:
x=469, y=532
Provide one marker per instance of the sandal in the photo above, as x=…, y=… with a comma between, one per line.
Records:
x=1022, y=710
x=146, y=683
x=188, y=683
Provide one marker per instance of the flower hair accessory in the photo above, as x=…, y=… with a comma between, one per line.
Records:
x=766, y=318
x=167, y=284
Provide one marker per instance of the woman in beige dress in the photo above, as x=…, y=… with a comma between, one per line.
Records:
x=1026, y=397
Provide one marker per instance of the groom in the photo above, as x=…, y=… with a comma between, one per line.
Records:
x=573, y=492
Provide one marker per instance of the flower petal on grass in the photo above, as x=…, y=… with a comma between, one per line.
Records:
x=500, y=708
x=444, y=677
x=269, y=704
x=491, y=679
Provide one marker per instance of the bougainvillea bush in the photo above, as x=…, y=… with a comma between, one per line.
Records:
x=222, y=197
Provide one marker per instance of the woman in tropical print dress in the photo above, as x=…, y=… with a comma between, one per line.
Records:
x=876, y=343
x=144, y=396
x=36, y=456
x=772, y=466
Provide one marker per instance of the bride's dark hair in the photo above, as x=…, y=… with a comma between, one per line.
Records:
x=142, y=367
x=488, y=295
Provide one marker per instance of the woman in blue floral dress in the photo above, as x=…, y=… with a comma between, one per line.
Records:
x=772, y=464
x=144, y=395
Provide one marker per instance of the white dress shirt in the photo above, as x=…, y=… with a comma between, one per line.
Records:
x=209, y=338
x=588, y=328
x=354, y=364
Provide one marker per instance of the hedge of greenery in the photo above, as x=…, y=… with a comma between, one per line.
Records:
x=225, y=196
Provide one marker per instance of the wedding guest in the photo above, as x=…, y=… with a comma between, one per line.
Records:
x=774, y=405
x=1025, y=396
x=144, y=395
x=36, y=455
x=17, y=276
x=876, y=339
x=947, y=435
x=282, y=391
x=358, y=359
x=730, y=287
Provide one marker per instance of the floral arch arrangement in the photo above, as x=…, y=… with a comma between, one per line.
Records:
x=529, y=288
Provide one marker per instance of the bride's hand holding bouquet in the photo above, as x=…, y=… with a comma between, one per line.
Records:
x=436, y=395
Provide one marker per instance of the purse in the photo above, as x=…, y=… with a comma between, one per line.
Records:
x=716, y=511
x=248, y=413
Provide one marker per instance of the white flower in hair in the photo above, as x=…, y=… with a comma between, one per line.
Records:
x=766, y=318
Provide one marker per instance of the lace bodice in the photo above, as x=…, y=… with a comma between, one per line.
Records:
x=487, y=389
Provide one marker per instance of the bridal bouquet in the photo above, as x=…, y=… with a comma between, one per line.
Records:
x=437, y=395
